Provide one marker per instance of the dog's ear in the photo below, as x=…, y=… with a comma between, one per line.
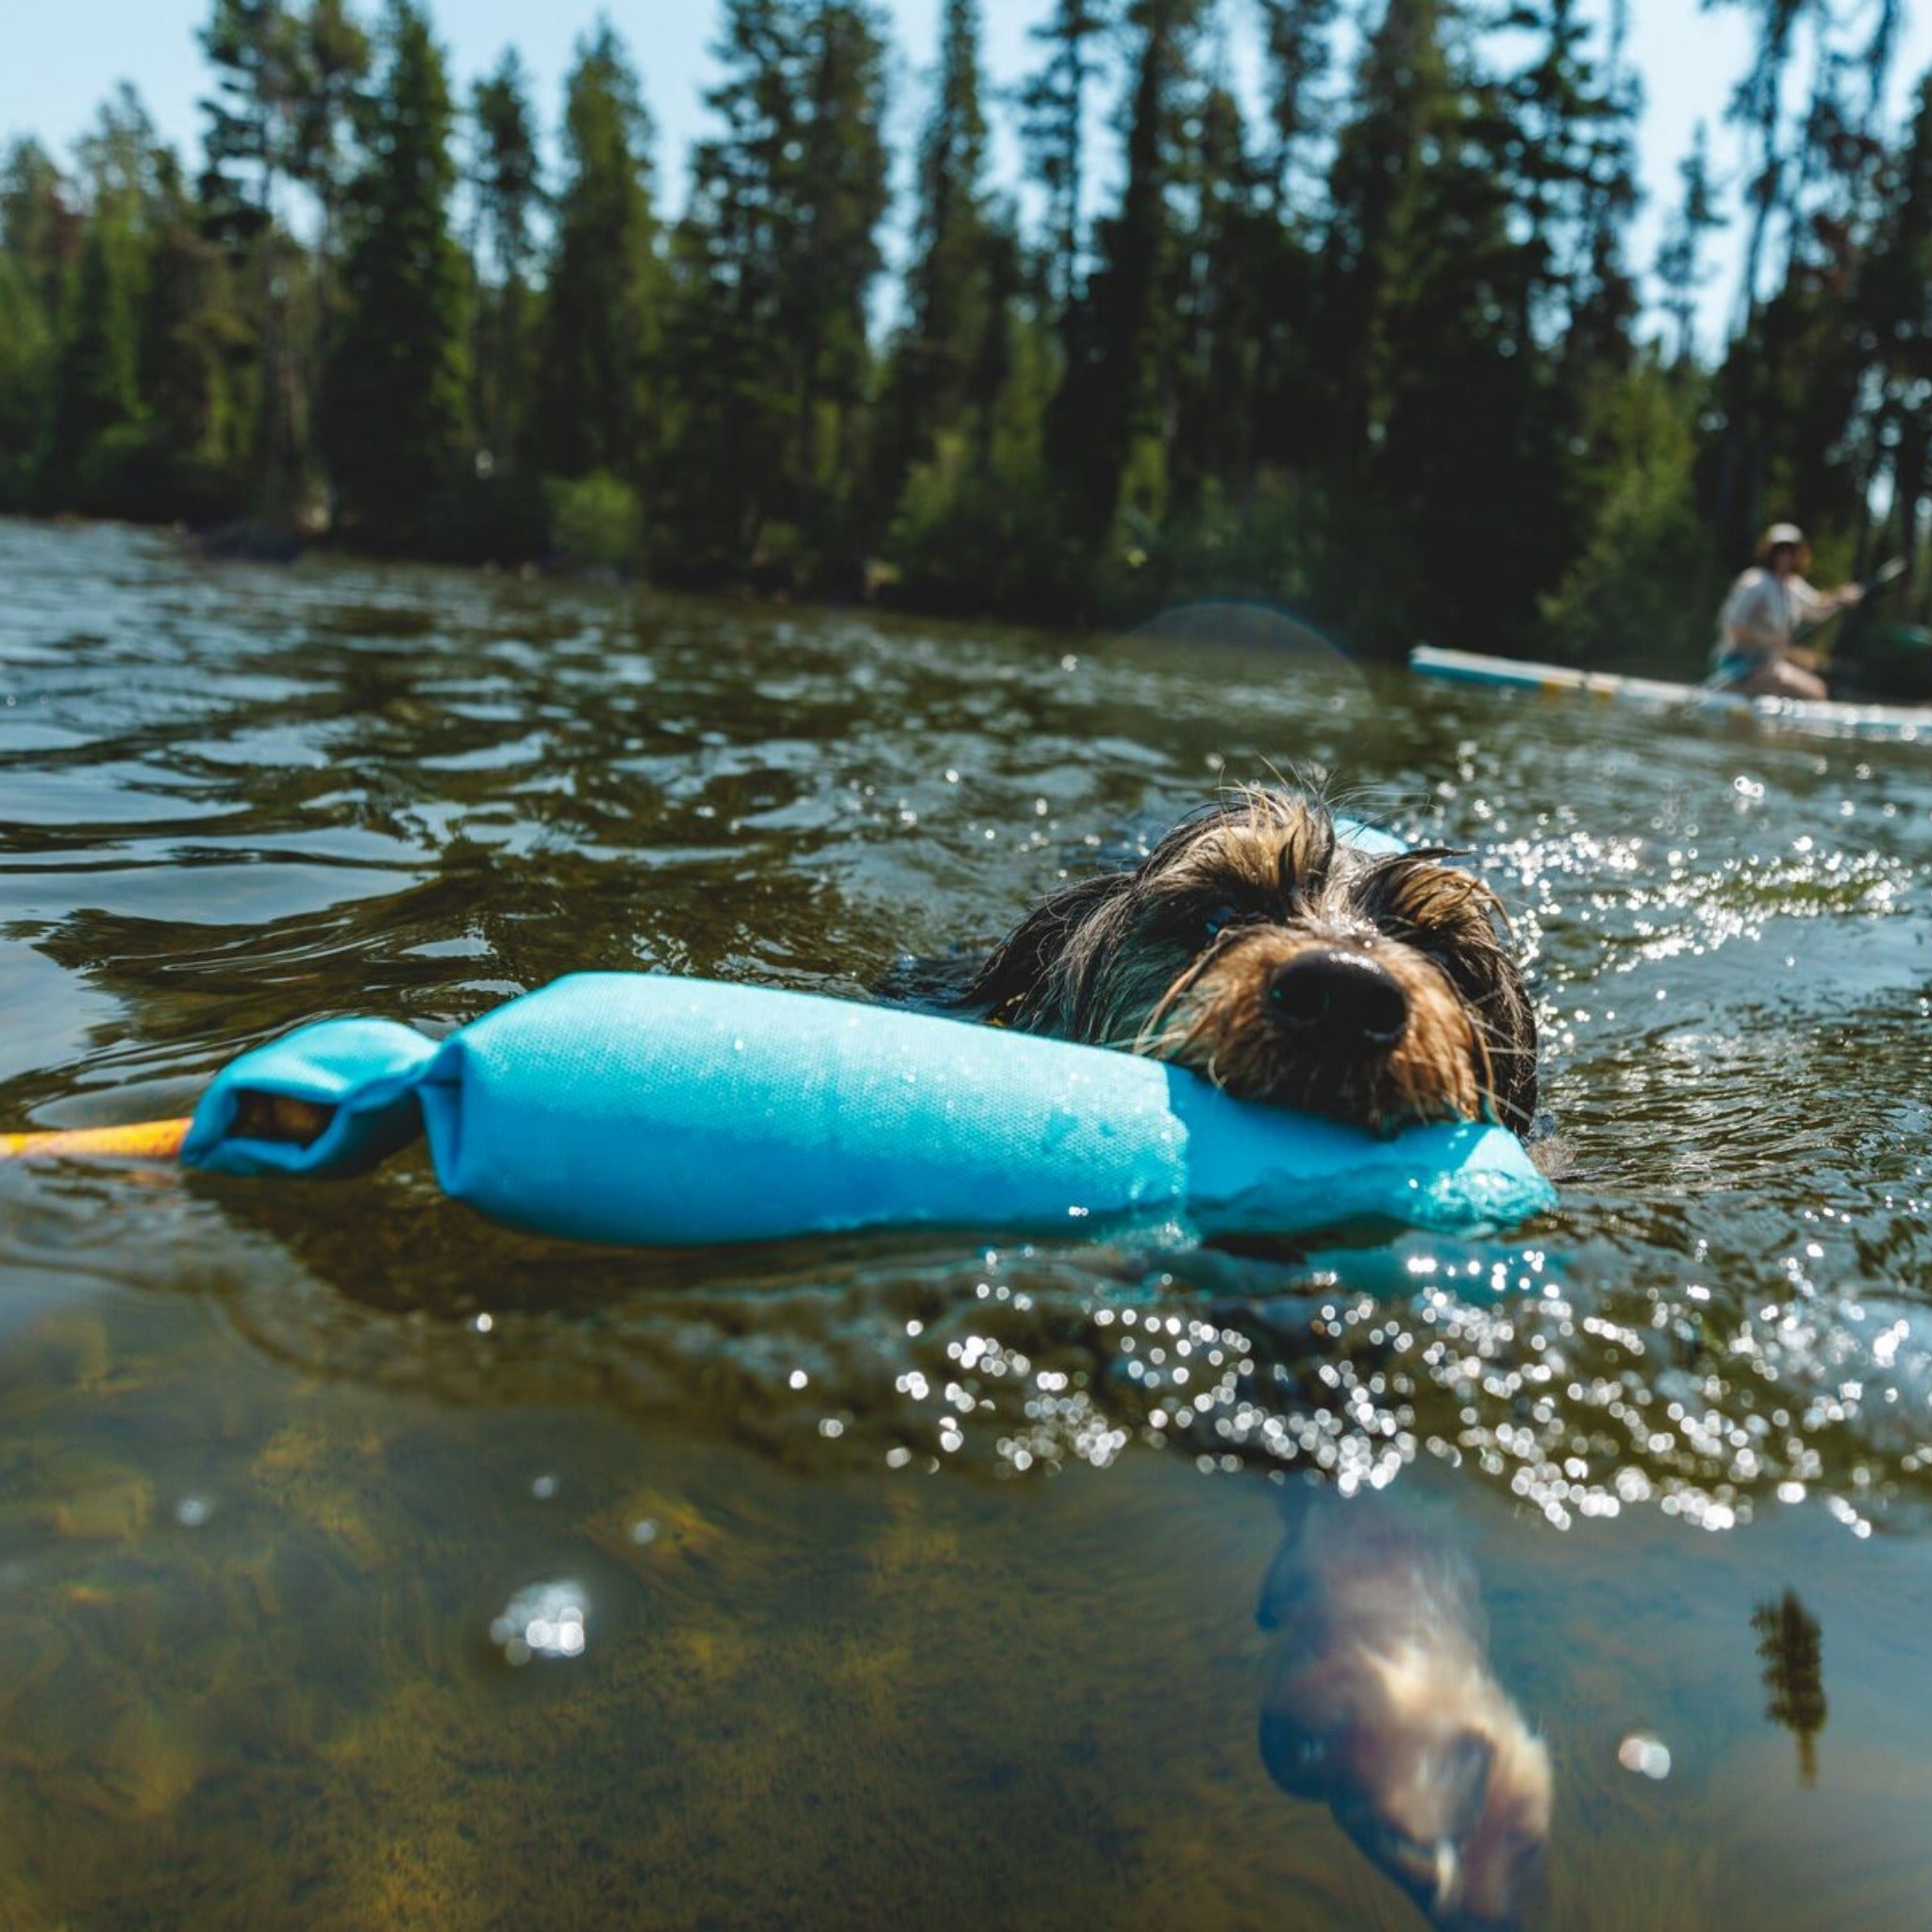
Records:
x=1021, y=984
x=1490, y=980
x=1490, y=986
x=1459, y=920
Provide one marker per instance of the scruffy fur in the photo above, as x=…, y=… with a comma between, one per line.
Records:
x=1255, y=946
x=1381, y=1703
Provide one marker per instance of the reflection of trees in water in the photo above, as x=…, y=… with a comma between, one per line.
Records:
x=1791, y=1641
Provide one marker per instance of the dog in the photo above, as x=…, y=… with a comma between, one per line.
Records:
x=1380, y=1703
x=1257, y=947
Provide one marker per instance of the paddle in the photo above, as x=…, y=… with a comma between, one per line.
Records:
x=1886, y=573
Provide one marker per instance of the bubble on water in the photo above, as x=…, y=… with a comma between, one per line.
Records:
x=1644, y=1754
x=542, y=1619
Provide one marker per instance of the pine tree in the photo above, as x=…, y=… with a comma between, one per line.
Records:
x=252, y=47
x=190, y=340
x=1447, y=467
x=842, y=197
x=1405, y=107
x=26, y=366
x=1757, y=106
x=770, y=359
x=41, y=232
x=328, y=67
x=937, y=360
x=1053, y=105
x=97, y=418
x=396, y=382
x=505, y=182
x=121, y=159
x=1566, y=145
x=41, y=226
x=1221, y=302
x=725, y=362
x=1119, y=336
x=96, y=388
x=1680, y=255
x=945, y=285
x=1297, y=45
x=603, y=308
x=1893, y=310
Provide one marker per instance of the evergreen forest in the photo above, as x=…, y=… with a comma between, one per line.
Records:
x=1361, y=339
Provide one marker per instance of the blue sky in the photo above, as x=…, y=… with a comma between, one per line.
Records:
x=63, y=56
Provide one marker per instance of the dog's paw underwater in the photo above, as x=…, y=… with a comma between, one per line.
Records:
x=1259, y=946
x=1380, y=1701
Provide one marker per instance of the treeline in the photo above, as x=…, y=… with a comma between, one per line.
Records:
x=1377, y=352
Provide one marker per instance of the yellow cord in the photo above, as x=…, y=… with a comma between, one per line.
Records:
x=139, y=1140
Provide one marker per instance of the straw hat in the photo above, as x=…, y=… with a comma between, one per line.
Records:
x=1777, y=536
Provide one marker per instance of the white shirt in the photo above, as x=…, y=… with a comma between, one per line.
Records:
x=1763, y=612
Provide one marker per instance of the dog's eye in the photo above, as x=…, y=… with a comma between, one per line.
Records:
x=1217, y=919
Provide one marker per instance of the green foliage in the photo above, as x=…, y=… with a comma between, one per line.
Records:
x=1256, y=549
x=1377, y=356
x=1888, y=661
x=979, y=525
x=596, y=522
x=1644, y=585
x=26, y=358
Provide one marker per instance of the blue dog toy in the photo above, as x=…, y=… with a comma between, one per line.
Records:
x=636, y=1108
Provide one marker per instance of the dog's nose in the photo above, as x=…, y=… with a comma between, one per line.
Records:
x=1338, y=1003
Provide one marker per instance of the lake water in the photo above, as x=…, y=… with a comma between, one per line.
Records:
x=917, y=1580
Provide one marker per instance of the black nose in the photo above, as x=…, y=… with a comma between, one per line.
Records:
x=1338, y=1003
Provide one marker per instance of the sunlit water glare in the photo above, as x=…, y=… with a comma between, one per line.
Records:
x=807, y=1632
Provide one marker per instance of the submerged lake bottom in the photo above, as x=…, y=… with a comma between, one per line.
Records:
x=362, y=1563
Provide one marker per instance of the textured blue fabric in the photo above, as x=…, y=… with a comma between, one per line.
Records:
x=636, y=1108
x=367, y=1069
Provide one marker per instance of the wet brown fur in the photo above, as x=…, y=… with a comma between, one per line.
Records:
x=1178, y=959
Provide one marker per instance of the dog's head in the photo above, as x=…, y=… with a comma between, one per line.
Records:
x=1258, y=948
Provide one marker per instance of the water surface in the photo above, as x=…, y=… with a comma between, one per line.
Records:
x=918, y=1578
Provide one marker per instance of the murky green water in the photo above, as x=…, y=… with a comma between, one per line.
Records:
x=919, y=1578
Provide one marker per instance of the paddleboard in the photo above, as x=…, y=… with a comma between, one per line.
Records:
x=1904, y=723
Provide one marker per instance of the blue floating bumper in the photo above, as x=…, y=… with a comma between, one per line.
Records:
x=635, y=1108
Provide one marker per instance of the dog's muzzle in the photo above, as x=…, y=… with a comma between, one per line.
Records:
x=1337, y=1004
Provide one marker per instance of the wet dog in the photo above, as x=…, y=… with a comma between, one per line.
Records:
x=1258, y=947
x=1380, y=1703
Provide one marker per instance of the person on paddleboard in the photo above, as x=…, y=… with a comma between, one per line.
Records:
x=1769, y=608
